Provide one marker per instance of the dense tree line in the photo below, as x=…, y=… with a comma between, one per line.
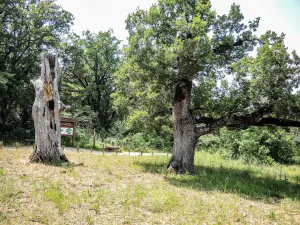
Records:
x=27, y=28
x=89, y=63
x=183, y=65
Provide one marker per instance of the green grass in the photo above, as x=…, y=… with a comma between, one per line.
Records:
x=251, y=181
x=56, y=194
x=1, y=172
x=102, y=189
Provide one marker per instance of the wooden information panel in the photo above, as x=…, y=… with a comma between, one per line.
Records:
x=67, y=127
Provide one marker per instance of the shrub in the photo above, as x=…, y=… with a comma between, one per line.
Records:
x=255, y=144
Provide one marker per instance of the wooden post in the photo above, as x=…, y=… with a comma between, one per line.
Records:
x=77, y=149
x=1, y=145
x=141, y=152
x=103, y=149
x=73, y=137
x=94, y=138
x=63, y=148
x=152, y=153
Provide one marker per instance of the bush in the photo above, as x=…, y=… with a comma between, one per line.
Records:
x=146, y=142
x=254, y=145
x=269, y=144
x=83, y=139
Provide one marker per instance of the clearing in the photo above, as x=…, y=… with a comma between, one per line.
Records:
x=110, y=189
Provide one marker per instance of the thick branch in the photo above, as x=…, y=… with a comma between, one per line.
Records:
x=252, y=119
x=257, y=114
x=278, y=122
x=223, y=48
x=63, y=107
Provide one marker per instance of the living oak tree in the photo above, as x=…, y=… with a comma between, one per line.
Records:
x=27, y=28
x=88, y=65
x=181, y=50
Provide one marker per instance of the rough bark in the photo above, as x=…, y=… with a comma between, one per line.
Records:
x=184, y=130
x=45, y=113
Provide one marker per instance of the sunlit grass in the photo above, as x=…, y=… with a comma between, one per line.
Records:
x=102, y=189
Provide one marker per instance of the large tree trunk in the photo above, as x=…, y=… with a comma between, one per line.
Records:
x=184, y=130
x=45, y=113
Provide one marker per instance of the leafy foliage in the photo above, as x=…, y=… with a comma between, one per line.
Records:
x=27, y=28
x=254, y=145
x=177, y=41
x=130, y=92
x=89, y=63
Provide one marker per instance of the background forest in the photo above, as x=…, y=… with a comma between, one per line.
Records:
x=100, y=82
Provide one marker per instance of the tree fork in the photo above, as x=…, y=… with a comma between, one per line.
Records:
x=46, y=114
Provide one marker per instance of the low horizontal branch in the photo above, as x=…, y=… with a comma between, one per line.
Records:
x=278, y=122
x=243, y=121
x=235, y=118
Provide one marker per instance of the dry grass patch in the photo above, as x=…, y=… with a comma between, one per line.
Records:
x=97, y=189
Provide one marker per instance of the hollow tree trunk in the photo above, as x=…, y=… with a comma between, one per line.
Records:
x=184, y=130
x=45, y=113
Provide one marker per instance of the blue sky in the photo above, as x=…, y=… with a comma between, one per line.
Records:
x=276, y=15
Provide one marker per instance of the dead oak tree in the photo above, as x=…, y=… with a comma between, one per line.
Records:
x=45, y=112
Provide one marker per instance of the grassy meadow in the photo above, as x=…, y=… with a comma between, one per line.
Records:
x=110, y=189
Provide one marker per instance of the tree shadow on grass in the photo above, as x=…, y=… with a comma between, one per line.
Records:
x=230, y=180
x=64, y=164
